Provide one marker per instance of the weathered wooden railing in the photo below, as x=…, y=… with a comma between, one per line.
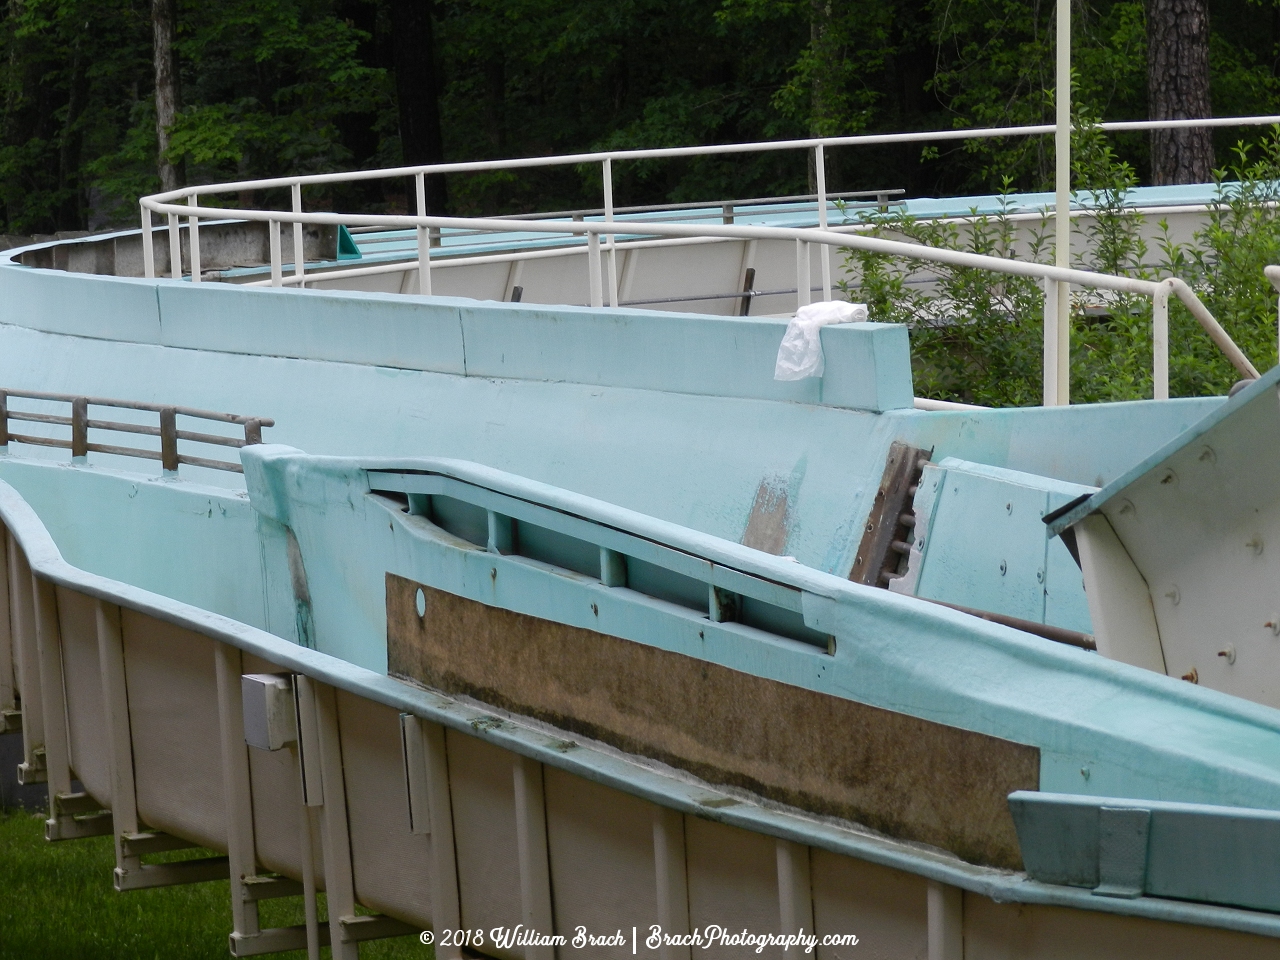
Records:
x=167, y=429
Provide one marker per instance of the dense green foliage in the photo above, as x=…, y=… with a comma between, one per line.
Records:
x=977, y=336
x=56, y=903
x=278, y=86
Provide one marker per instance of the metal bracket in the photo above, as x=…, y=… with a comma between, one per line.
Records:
x=1122, y=852
x=35, y=771
x=888, y=531
x=150, y=875
x=76, y=816
x=360, y=929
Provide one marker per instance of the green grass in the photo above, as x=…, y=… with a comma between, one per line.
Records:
x=56, y=901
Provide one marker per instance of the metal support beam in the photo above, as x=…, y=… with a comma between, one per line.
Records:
x=339, y=883
x=946, y=921
x=27, y=663
x=531, y=841
x=672, y=878
x=237, y=800
x=54, y=707
x=795, y=892
x=8, y=676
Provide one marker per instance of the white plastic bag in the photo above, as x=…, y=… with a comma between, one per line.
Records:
x=800, y=354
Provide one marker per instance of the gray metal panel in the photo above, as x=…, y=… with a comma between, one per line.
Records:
x=1210, y=854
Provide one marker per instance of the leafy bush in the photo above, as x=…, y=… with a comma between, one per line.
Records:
x=977, y=336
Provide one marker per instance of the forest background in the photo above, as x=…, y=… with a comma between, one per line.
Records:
x=274, y=87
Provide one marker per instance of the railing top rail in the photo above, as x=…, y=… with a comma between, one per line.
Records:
x=716, y=205
x=720, y=149
x=896, y=248
x=238, y=419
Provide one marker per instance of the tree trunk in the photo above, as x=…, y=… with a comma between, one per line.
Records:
x=70, y=215
x=418, y=92
x=1178, y=89
x=164, y=22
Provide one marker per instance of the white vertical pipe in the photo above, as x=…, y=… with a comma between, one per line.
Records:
x=609, y=239
x=802, y=274
x=672, y=876
x=148, y=246
x=424, y=237
x=593, y=269
x=237, y=792
x=175, y=248
x=795, y=890
x=1062, y=202
x=277, y=267
x=945, y=921
x=115, y=708
x=193, y=229
x=1050, y=343
x=299, y=257
x=531, y=854
x=820, y=175
x=1160, y=342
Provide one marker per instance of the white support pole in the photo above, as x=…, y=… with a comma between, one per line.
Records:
x=307, y=751
x=609, y=239
x=237, y=798
x=820, y=175
x=531, y=854
x=193, y=231
x=946, y=921
x=307, y=831
x=1062, y=202
x=1160, y=342
x=8, y=655
x=32, y=768
x=277, y=265
x=593, y=269
x=446, y=904
x=339, y=882
x=115, y=704
x=57, y=756
x=672, y=875
x=1051, y=342
x=175, y=248
x=424, y=237
x=795, y=893
x=299, y=256
x=148, y=246
x=803, y=281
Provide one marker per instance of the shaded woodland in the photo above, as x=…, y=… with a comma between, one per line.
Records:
x=273, y=87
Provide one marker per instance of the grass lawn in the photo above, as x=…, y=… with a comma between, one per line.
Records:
x=56, y=902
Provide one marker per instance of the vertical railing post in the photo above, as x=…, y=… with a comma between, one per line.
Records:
x=277, y=265
x=593, y=269
x=424, y=237
x=299, y=255
x=252, y=432
x=169, y=440
x=802, y=274
x=193, y=237
x=4, y=419
x=1160, y=341
x=1050, y=342
x=79, y=428
x=820, y=171
x=609, y=239
x=175, y=248
x=148, y=245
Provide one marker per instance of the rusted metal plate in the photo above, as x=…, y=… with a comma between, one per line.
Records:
x=895, y=773
x=877, y=561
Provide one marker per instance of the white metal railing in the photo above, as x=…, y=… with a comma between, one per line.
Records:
x=603, y=243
